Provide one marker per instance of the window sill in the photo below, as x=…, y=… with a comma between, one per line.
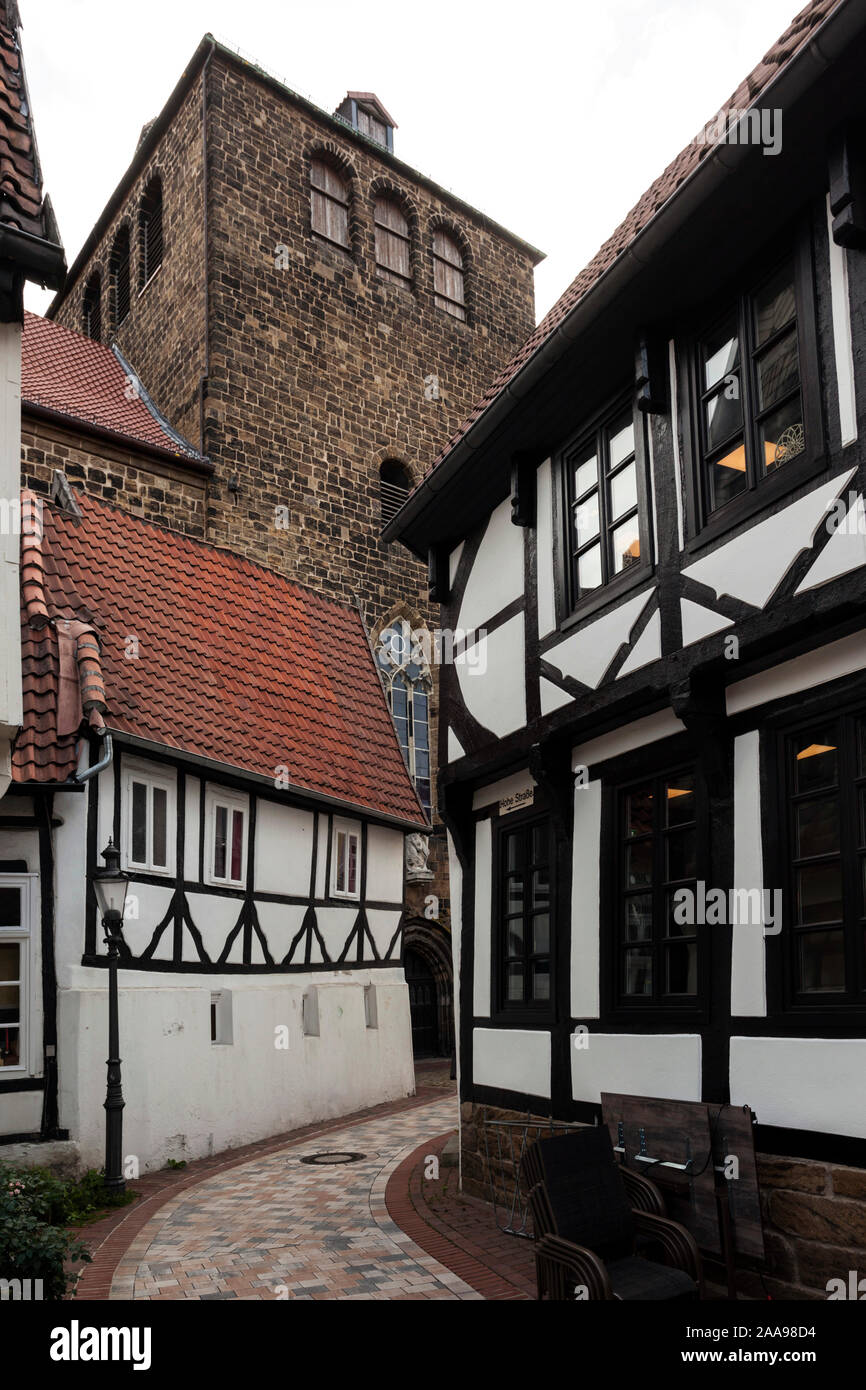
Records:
x=604, y=597
x=745, y=509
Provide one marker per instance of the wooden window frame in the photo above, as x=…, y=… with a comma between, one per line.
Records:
x=120, y=262
x=352, y=830
x=504, y=1009
x=573, y=607
x=215, y=798
x=704, y=525
x=152, y=778
x=383, y=270
x=442, y=301
x=345, y=202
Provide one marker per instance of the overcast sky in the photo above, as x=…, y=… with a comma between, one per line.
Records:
x=551, y=117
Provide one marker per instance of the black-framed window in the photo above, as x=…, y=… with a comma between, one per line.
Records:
x=606, y=503
x=524, y=911
x=755, y=383
x=825, y=794
x=658, y=829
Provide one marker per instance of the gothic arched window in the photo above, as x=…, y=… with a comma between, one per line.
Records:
x=405, y=669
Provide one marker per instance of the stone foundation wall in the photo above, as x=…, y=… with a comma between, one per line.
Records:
x=814, y=1213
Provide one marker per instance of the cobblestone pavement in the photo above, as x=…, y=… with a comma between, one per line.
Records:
x=276, y=1228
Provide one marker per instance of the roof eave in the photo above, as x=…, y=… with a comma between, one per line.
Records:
x=39, y=260
x=791, y=82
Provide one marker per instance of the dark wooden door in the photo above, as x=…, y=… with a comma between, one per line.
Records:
x=422, y=1005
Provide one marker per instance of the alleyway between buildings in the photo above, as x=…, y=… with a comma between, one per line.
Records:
x=260, y=1223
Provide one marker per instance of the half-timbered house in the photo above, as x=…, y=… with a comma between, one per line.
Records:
x=656, y=791
x=227, y=730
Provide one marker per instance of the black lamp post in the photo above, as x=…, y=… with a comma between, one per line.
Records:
x=110, y=885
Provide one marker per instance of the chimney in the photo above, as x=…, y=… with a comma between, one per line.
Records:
x=364, y=112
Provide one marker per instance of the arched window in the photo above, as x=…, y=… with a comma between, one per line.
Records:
x=405, y=670
x=392, y=241
x=394, y=488
x=119, y=278
x=448, y=275
x=150, y=232
x=91, y=307
x=329, y=202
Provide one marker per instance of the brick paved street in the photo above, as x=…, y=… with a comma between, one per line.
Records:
x=278, y=1228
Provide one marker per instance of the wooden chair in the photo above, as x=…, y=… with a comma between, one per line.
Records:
x=600, y=1228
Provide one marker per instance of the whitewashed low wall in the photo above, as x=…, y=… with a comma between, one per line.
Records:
x=187, y=1097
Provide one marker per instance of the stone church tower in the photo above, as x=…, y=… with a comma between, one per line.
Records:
x=320, y=318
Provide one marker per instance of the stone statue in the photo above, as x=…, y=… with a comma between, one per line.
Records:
x=417, y=855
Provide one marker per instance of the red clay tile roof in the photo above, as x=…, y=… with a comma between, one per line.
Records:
x=21, y=202
x=235, y=663
x=797, y=33
x=65, y=372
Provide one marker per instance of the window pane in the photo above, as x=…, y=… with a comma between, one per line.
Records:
x=352, y=875
x=817, y=828
x=623, y=492
x=585, y=474
x=774, y=304
x=682, y=849
x=586, y=520
x=10, y=960
x=639, y=863
x=160, y=826
x=821, y=961
x=621, y=442
x=139, y=823
x=638, y=971
x=10, y=907
x=727, y=477
x=514, y=937
x=514, y=981
x=721, y=353
x=540, y=844
x=626, y=545
x=680, y=799
x=541, y=934
x=723, y=416
x=782, y=435
x=541, y=980
x=514, y=895
x=589, y=569
x=514, y=851
x=819, y=893
x=237, y=843
x=682, y=968
x=340, y=879
x=639, y=917
x=540, y=888
x=220, y=841
x=816, y=758
x=639, y=811
x=778, y=371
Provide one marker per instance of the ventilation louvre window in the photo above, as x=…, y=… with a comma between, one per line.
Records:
x=392, y=242
x=329, y=202
x=91, y=308
x=448, y=278
x=150, y=231
x=120, y=278
x=393, y=489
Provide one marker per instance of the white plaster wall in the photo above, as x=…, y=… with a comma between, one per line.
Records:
x=586, y=654
x=645, y=1064
x=802, y=1083
x=512, y=1059
x=284, y=849
x=191, y=828
x=20, y=1113
x=828, y=663
x=496, y=578
x=280, y=923
x=544, y=550
x=492, y=678
x=322, y=858
x=186, y=1097
x=70, y=863
x=840, y=298
x=145, y=906
x=748, y=959
x=635, y=735
x=384, y=864
x=585, y=887
x=483, y=919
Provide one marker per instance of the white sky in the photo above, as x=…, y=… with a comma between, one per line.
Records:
x=551, y=117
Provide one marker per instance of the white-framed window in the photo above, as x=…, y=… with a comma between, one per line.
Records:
x=226, y=842
x=346, y=859
x=17, y=1047
x=149, y=817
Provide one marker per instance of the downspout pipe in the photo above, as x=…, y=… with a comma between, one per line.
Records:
x=105, y=760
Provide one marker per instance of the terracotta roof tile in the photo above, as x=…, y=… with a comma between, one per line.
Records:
x=235, y=663
x=65, y=372
x=21, y=201
x=658, y=193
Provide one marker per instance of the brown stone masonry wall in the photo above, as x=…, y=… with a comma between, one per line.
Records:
x=814, y=1213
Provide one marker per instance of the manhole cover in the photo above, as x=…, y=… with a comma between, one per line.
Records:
x=325, y=1158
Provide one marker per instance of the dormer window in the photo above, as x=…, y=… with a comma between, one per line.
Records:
x=364, y=112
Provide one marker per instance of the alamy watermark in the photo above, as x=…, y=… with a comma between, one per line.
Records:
x=760, y=125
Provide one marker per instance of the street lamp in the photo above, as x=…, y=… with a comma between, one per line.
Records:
x=110, y=885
